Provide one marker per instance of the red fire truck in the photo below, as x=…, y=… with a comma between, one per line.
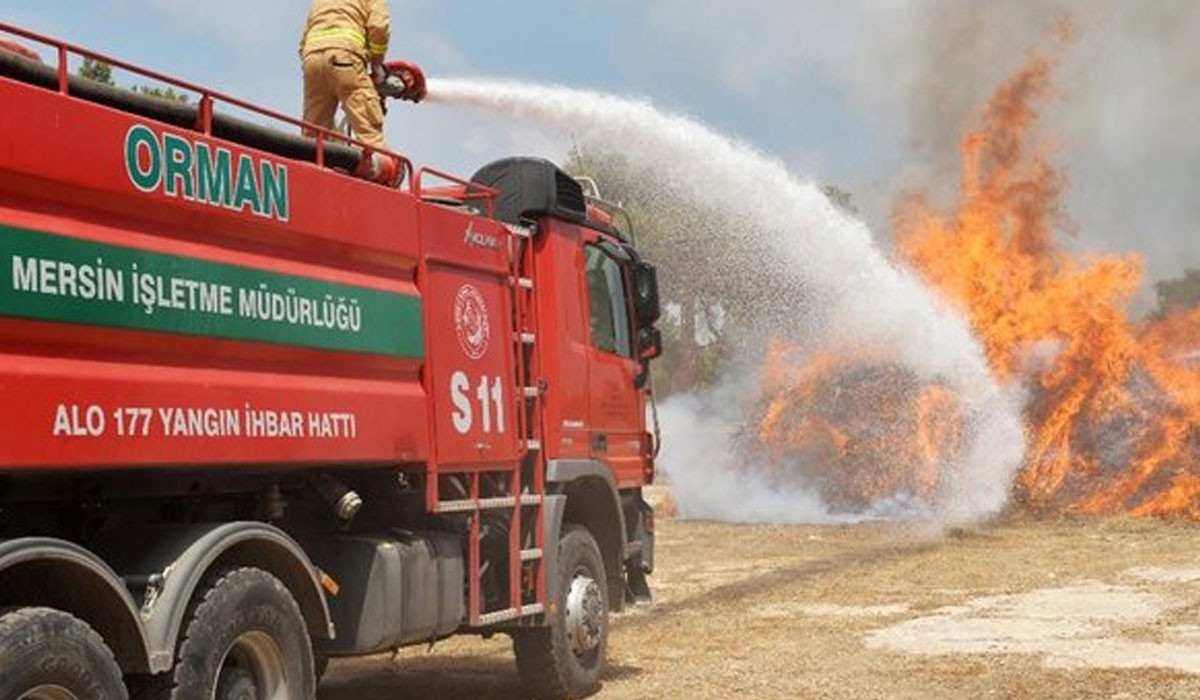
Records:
x=270, y=400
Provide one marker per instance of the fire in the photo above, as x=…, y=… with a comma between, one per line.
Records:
x=1114, y=410
x=857, y=430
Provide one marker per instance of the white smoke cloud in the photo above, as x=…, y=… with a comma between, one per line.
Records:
x=708, y=476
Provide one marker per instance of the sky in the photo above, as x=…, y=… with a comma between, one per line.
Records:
x=869, y=95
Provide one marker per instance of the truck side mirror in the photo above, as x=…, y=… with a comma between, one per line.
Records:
x=645, y=295
x=650, y=343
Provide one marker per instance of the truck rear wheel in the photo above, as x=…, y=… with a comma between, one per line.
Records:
x=244, y=639
x=566, y=660
x=46, y=654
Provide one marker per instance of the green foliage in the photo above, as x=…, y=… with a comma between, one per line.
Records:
x=102, y=72
x=674, y=235
x=164, y=93
x=98, y=71
x=840, y=197
x=721, y=280
x=1178, y=294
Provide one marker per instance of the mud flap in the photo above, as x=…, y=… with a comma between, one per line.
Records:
x=637, y=587
x=639, y=554
x=553, y=511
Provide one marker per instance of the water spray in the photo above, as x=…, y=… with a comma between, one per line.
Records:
x=876, y=302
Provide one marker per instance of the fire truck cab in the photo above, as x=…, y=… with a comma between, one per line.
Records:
x=270, y=401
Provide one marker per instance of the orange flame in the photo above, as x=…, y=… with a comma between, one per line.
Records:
x=856, y=430
x=1114, y=413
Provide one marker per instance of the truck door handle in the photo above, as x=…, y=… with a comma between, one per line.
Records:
x=600, y=442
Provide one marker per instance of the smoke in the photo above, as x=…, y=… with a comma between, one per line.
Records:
x=915, y=73
x=698, y=454
x=863, y=299
x=1123, y=121
x=711, y=479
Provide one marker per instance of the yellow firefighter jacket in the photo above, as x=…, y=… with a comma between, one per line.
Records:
x=360, y=26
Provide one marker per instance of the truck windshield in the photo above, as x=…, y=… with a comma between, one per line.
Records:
x=608, y=309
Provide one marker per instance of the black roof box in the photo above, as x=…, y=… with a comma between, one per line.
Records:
x=530, y=187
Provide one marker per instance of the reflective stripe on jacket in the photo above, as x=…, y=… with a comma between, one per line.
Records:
x=361, y=26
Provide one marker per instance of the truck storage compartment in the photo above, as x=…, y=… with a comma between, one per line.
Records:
x=393, y=590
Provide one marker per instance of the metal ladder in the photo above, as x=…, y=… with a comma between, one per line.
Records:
x=527, y=575
x=524, y=495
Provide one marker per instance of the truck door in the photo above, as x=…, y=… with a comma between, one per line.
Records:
x=615, y=404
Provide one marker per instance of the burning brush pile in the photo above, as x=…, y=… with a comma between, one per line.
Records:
x=1113, y=409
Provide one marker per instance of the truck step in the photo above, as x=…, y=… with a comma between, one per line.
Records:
x=533, y=445
x=467, y=505
x=527, y=338
x=522, y=282
x=495, y=618
x=531, y=554
x=532, y=392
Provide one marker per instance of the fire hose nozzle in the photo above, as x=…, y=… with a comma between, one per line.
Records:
x=400, y=80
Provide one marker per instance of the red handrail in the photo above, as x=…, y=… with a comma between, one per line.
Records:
x=207, y=98
x=471, y=190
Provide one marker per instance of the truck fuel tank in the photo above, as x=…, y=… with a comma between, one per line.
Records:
x=393, y=591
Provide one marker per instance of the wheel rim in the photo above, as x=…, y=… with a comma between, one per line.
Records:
x=49, y=692
x=260, y=655
x=585, y=614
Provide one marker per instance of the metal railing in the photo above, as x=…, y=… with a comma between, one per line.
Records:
x=472, y=191
x=207, y=99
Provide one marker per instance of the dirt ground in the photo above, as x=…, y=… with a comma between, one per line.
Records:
x=1087, y=609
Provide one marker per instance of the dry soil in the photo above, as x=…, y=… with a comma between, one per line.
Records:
x=1072, y=609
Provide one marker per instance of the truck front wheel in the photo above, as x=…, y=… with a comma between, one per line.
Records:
x=566, y=660
x=245, y=639
x=46, y=654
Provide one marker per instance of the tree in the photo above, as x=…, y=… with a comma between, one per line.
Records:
x=1178, y=294
x=102, y=72
x=841, y=198
x=98, y=71
x=723, y=281
x=164, y=93
x=674, y=234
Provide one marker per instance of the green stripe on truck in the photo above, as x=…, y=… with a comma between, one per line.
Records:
x=56, y=278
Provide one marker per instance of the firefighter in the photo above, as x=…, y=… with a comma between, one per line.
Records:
x=343, y=46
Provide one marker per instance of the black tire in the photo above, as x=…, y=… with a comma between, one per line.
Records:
x=45, y=648
x=548, y=659
x=243, y=624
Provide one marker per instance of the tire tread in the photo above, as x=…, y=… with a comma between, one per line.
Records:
x=12, y=620
x=214, y=587
x=540, y=653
